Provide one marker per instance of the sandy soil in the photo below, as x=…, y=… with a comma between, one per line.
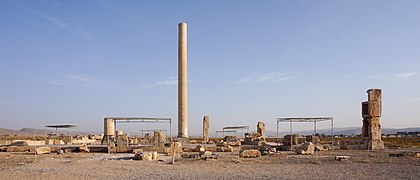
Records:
x=362, y=165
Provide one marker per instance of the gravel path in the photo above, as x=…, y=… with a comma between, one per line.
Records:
x=362, y=165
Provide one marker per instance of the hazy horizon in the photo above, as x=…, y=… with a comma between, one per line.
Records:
x=76, y=62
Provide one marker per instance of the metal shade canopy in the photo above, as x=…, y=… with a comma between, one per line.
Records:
x=61, y=126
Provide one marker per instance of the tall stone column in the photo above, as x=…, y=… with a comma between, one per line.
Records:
x=206, y=125
x=182, y=82
x=371, y=112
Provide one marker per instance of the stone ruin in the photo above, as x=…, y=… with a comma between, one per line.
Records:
x=261, y=128
x=206, y=125
x=371, y=113
x=371, y=129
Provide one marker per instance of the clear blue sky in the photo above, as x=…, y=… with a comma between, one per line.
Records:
x=80, y=61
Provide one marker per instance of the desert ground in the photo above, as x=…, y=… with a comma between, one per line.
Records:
x=284, y=165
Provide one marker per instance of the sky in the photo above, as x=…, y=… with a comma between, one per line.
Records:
x=76, y=62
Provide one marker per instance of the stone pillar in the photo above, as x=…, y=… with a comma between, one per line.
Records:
x=182, y=82
x=206, y=125
x=109, y=130
x=371, y=112
x=261, y=129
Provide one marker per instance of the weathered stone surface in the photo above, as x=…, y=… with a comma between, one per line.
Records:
x=266, y=150
x=206, y=126
x=211, y=156
x=207, y=153
x=312, y=139
x=43, y=150
x=299, y=151
x=155, y=155
x=250, y=154
x=290, y=139
x=323, y=147
x=374, y=94
x=159, y=138
x=20, y=149
x=371, y=113
x=224, y=149
x=199, y=149
x=342, y=158
x=232, y=141
x=261, y=128
x=253, y=137
x=305, y=148
x=84, y=148
x=19, y=143
x=146, y=156
x=188, y=149
x=374, y=109
x=137, y=150
x=376, y=145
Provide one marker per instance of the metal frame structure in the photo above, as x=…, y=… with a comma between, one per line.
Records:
x=61, y=126
x=151, y=130
x=223, y=132
x=242, y=128
x=305, y=119
x=142, y=120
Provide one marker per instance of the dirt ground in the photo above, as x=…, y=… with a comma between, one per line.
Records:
x=322, y=165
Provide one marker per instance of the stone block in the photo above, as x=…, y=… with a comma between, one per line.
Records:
x=376, y=145
x=20, y=149
x=145, y=156
x=305, y=148
x=250, y=154
x=199, y=149
x=312, y=139
x=374, y=94
x=19, y=143
x=207, y=153
x=374, y=108
x=137, y=150
x=43, y=150
x=159, y=138
x=288, y=138
x=224, y=149
x=84, y=148
x=323, y=147
x=185, y=155
x=342, y=158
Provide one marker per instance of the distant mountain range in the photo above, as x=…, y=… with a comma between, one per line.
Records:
x=337, y=131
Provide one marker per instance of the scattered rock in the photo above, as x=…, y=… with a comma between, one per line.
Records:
x=342, y=158
x=20, y=149
x=199, y=149
x=43, y=150
x=207, y=153
x=137, y=150
x=84, y=148
x=250, y=154
x=405, y=154
x=19, y=143
x=323, y=147
x=208, y=157
x=185, y=155
x=266, y=150
x=305, y=148
x=146, y=156
x=224, y=149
